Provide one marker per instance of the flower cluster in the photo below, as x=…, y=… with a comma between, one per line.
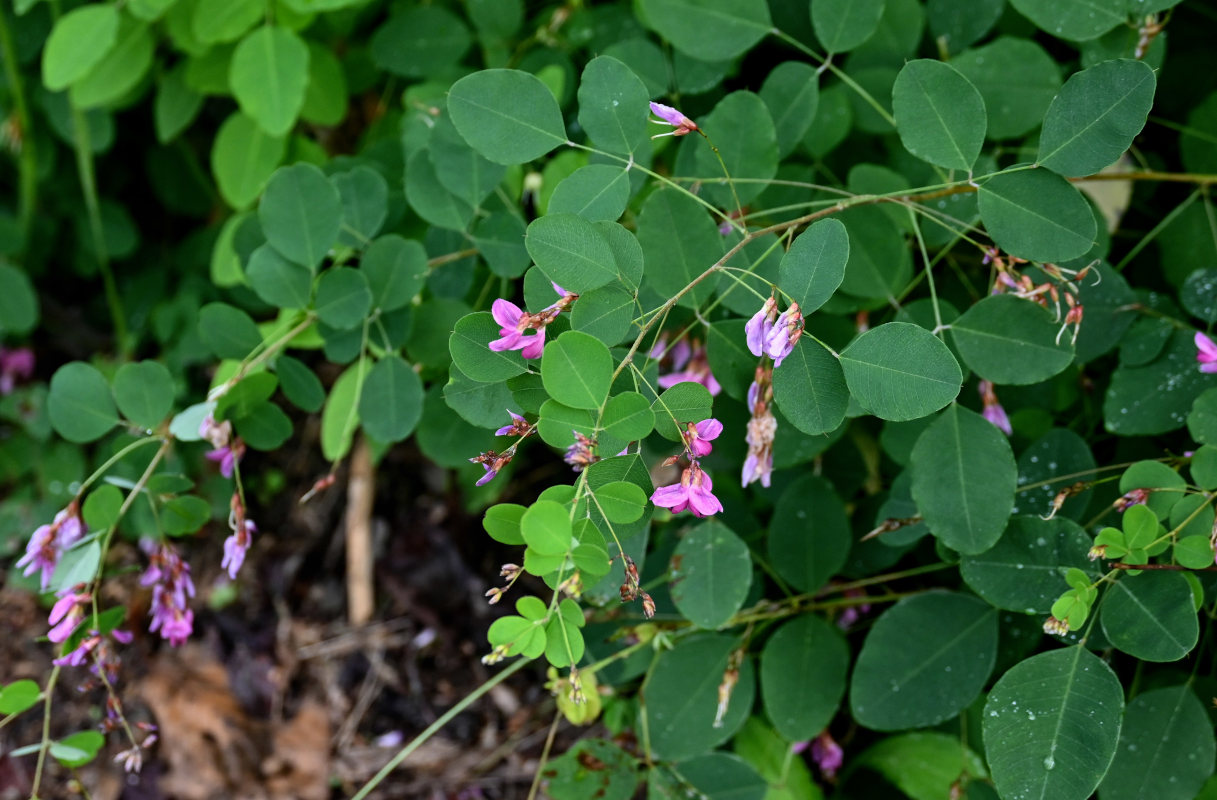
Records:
x=1061, y=283
x=169, y=577
x=774, y=335
x=491, y=461
x=49, y=542
x=227, y=449
x=695, y=491
x=688, y=363
x=514, y=322
x=762, y=426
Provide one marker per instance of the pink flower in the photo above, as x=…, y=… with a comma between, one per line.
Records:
x=760, y=326
x=786, y=332
x=48, y=543
x=227, y=458
x=235, y=547
x=512, y=324
x=670, y=116
x=698, y=437
x=66, y=614
x=827, y=754
x=690, y=364
x=993, y=410
x=694, y=492
x=15, y=365
x=169, y=577
x=762, y=427
x=1206, y=353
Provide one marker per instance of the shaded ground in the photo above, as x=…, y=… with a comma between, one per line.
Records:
x=276, y=696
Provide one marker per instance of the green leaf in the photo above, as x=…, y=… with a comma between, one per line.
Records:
x=685, y=402
x=810, y=389
x=803, y=669
x=243, y=157
x=79, y=403
x=225, y=20
x=1024, y=571
x=792, y=94
x=963, y=480
x=78, y=565
x=1150, y=616
x=458, y=167
x=1009, y=340
x=471, y=354
x=713, y=776
x=940, y=115
x=1052, y=462
x=743, y=118
x=502, y=522
x=679, y=242
x=959, y=23
x=614, y=777
x=606, y=313
x=282, y=283
x=1064, y=709
x=78, y=749
x=842, y=25
x=265, y=427
x=1096, y=116
x=18, y=302
x=185, y=514
x=481, y=404
x=325, y=98
x=577, y=370
x=301, y=213
x=546, y=528
x=424, y=40
x=430, y=200
x=499, y=238
x=682, y=697
x=506, y=115
x=571, y=251
x=1078, y=21
x=621, y=502
x=101, y=508
x=1166, y=732
x=1157, y=397
x=343, y=298
x=710, y=575
x=1202, y=419
x=628, y=416
x=119, y=71
x=268, y=75
x=391, y=403
x=1199, y=294
x=711, y=30
x=595, y=192
x=396, y=270
x=19, y=696
x=1152, y=475
x=365, y=204
x=814, y=266
x=144, y=392
x=1037, y=215
x=926, y=766
x=899, y=371
x=300, y=384
x=340, y=416
x=78, y=42
x=228, y=332
x=903, y=681
x=809, y=535
x=879, y=265
x=613, y=105
x=1016, y=79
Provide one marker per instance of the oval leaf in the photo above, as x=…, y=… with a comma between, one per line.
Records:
x=1151, y=616
x=506, y=115
x=940, y=115
x=79, y=403
x=1010, y=340
x=710, y=575
x=814, y=266
x=1037, y=215
x=803, y=668
x=391, y=402
x=577, y=370
x=899, y=371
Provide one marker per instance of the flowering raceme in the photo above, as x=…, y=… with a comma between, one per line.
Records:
x=48, y=543
x=773, y=335
x=689, y=364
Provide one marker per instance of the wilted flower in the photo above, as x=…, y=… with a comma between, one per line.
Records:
x=760, y=326
x=48, y=543
x=689, y=364
x=993, y=410
x=15, y=365
x=518, y=427
x=1136, y=497
x=670, y=116
x=1056, y=627
x=582, y=452
x=1206, y=353
x=492, y=462
x=698, y=437
x=762, y=427
x=228, y=451
x=785, y=333
x=694, y=492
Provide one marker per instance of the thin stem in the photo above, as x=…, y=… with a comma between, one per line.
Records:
x=114, y=459
x=28, y=165
x=435, y=727
x=46, y=731
x=549, y=743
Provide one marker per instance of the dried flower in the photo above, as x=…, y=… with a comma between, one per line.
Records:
x=518, y=427
x=492, y=462
x=1056, y=627
x=670, y=116
x=1136, y=497
x=762, y=427
x=582, y=453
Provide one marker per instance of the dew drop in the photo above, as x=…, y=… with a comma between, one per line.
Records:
x=1049, y=762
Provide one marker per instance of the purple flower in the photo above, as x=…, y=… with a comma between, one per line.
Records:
x=691, y=365
x=512, y=324
x=77, y=656
x=15, y=365
x=760, y=326
x=698, y=437
x=827, y=754
x=226, y=457
x=670, y=116
x=993, y=410
x=169, y=577
x=786, y=332
x=758, y=465
x=218, y=434
x=492, y=462
x=48, y=543
x=66, y=614
x=1206, y=353
x=235, y=547
x=488, y=477
x=694, y=492
x=518, y=426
